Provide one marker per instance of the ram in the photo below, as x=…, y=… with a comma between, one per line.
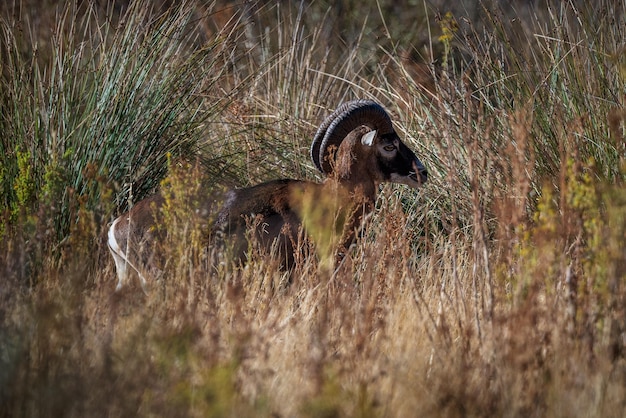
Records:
x=356, y=148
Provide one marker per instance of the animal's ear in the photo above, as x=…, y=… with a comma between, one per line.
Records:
x=368, y=138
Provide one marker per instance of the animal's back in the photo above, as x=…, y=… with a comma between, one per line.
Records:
x=268, y=209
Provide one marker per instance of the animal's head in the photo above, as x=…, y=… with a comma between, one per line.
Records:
x=365, y=127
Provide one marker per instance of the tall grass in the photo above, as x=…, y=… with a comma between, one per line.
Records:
x=112, y=98
x=497, y=289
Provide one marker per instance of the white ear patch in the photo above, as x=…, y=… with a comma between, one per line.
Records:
x=368, y=138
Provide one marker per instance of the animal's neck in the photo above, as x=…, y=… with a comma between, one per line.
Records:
x=360, y=191
x=359, y=201
x=352, y=172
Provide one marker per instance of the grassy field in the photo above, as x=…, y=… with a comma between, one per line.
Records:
x=495, y=290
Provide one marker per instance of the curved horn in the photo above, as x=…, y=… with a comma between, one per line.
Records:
x=341, y=122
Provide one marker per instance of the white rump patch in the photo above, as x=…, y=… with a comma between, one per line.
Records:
x=121, y=261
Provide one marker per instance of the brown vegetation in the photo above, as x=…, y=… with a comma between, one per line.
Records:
x=496, y=290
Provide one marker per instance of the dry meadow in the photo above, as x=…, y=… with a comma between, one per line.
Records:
x=497, y=289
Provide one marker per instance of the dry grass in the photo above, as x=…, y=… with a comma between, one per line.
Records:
x=496, y=290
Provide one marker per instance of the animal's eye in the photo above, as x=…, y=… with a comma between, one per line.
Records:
x=389, y=147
